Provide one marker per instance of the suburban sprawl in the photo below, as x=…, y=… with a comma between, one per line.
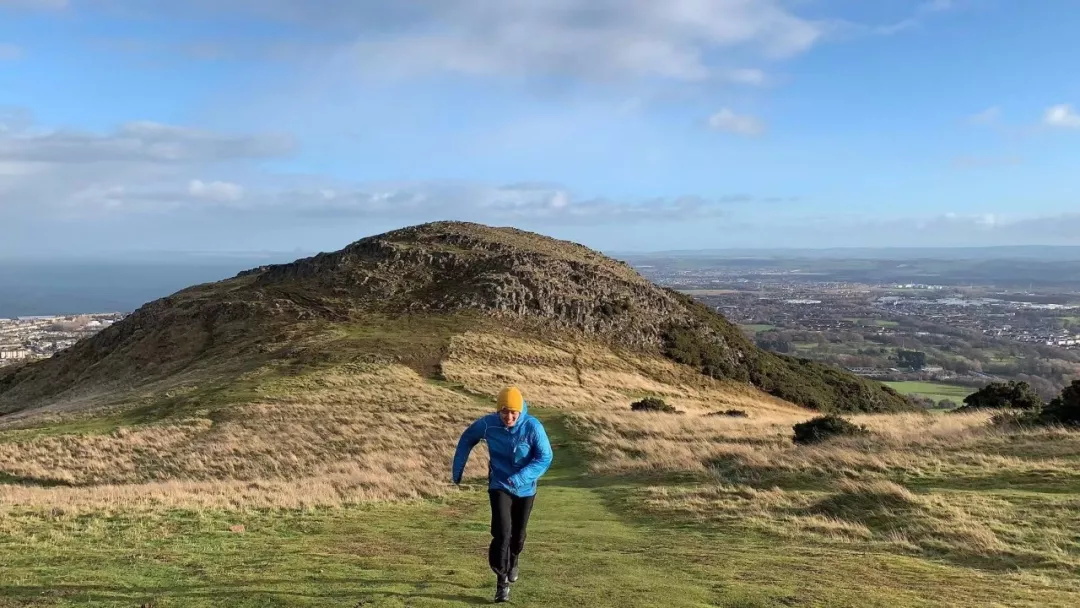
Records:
x=938, y=340
x=39, y=337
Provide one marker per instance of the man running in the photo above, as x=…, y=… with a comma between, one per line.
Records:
x=520, y=453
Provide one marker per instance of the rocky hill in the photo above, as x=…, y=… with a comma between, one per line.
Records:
x=435, y=281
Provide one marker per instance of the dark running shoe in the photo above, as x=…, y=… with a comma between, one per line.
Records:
x=502, y=591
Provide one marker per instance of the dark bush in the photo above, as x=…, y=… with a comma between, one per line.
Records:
x=925, y=403
x=1017, y=418
x=652, y=404
x=1004, y=395
x=731, y=413
x=1066, y=408
x=826, y=427
x=1063, y=410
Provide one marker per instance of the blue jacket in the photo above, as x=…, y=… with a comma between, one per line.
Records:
x=519, y=455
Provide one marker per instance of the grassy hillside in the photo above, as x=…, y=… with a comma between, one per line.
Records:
x=338, y=474
x=603, y=534
x=448, y=278
x=339, y=428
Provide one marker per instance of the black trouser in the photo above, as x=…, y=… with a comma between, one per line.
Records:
x=509, y=516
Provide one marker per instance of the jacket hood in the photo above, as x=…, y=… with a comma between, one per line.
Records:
x=520, y=421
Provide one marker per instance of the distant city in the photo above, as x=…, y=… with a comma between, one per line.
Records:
x=39, y=337
x=975, y=322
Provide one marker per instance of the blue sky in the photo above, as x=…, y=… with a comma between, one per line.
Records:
x=228, y=125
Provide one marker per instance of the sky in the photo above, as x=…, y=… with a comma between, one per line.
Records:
x=131, y=126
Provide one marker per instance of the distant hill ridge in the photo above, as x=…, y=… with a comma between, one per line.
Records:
x=507, y=276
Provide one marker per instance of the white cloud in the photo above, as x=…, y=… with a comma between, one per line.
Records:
x=988, y=116
x=137, y=142
x=146, y=168
x=682, y=40
x=594, y=38
x=840, y=28
x=9, y=52
x=215, y=191
x=739, y=124
x=516, y=203
x=405, y=202
x=139, y=166
x=1062, y=115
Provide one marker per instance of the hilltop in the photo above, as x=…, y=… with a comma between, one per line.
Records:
x=446, y=279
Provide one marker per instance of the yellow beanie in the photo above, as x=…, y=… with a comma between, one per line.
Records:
x=510, y=399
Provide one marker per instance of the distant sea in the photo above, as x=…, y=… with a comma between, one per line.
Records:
x=65, y=287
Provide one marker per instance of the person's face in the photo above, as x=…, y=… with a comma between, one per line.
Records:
x=509, y=418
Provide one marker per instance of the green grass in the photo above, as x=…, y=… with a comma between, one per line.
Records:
x=588, y=545
x=933, y=390
x=757, y=329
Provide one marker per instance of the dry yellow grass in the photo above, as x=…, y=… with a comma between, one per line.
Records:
x=944, y=484
x=585, y=376
x=751, y=449
x=350, y=434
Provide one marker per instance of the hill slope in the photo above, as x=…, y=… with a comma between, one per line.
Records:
x=468, y=275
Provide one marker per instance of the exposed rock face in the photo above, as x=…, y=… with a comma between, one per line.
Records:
x=444, y=267
x=517, y=277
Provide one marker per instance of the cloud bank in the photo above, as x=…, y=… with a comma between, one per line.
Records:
x=678, y=40
x=153, y=168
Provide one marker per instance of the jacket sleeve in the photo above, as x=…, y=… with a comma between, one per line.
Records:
x=541, y=459
x=468, y=440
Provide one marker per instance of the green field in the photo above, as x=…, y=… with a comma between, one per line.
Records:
x=588, y=545
x=933, y=390
x=757, y=329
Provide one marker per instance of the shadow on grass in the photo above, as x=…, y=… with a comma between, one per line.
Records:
x=41, y=482
x=1044, y=482
x=99, y=593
